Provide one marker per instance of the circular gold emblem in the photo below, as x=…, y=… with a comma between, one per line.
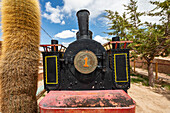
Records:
x=85, y=61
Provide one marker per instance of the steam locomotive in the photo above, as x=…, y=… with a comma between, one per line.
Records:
x=86, y=65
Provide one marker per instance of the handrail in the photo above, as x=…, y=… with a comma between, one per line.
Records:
x=116, y=43
x=45, y=46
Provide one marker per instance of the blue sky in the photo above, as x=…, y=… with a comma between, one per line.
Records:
x=58, y=18
x=66, y=26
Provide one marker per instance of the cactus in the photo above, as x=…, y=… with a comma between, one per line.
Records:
x=20, y=55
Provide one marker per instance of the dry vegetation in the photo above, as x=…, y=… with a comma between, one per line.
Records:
x=20, y=55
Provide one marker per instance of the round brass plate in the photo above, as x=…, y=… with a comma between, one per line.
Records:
x=85, y=62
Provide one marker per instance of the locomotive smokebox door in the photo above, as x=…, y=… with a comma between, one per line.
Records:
x=85, y=62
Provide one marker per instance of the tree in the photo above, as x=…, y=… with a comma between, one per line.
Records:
x=164, y=13
x=134, y=15
x=149, y=40
x=118, y=24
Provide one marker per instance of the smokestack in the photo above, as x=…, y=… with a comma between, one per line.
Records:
x=83, y=22
x=115, y=39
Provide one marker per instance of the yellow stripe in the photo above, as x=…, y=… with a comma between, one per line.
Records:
x=56, y=70
x=115, y=67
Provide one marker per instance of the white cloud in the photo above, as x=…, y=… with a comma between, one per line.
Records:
x=65, y=44
x=96, y=8
x=66, y=34
x=74, y=30
x=145, y=6
x=55, y=14
x=97, y=38
x=100, y=39
x=63, y=22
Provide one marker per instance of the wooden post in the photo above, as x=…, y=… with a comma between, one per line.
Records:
x=54, y=48
x=156, y=70
x=40, y=94
x=134, y=66
x=106, y=48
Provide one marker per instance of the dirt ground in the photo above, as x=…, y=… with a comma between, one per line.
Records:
x=149, y=100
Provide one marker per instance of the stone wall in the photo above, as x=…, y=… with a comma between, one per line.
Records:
x=163, y=64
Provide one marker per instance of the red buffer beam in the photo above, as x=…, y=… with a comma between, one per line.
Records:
x=103, y=101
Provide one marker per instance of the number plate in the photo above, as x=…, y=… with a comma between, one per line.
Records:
x=85, y=62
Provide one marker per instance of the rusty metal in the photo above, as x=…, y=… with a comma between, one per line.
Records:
x=124, y=45
x=116, y=43
x=79, y=62
x=55, y=46
x=113, y=42
x=102, y=101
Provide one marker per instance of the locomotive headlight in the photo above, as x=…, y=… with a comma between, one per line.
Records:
x=85, y=61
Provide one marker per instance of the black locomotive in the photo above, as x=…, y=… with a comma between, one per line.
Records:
x=86, y=65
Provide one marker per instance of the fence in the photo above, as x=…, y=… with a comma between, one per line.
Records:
x=155, y=66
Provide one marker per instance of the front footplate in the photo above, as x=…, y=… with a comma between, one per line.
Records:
x=96, y=101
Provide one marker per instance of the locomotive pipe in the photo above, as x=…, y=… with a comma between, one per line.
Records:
x=116, y=39
x=54, y=42
x=84, y=36
x=83, y=22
